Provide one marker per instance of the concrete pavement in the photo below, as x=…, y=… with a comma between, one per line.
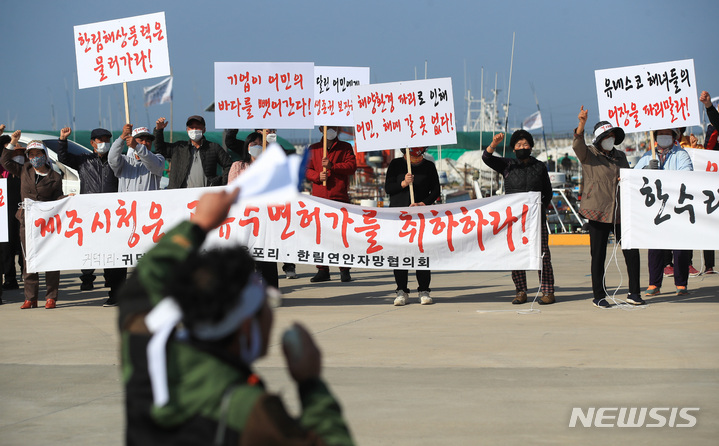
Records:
x=467, y=370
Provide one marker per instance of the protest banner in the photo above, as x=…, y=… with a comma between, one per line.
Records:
x=122, y=50
x=251, y=95
x=332, y=97
x=664, y=209
x=4, y=214
x=704, y=160
x=404, y=114
x=497, y=233
x=649, y=97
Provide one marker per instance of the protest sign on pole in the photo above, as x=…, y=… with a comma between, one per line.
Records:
x=669, y=209
x=704, y=160
x=332, y=94
x=4, y=214
x=122, y=50
x=498, y=233
x=404, y=114
x=649, y=97
x=251, y=95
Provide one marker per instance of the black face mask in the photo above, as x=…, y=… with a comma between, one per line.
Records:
x=523, y=154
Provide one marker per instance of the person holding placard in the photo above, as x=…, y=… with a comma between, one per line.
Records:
x=425, y=181
x=600, y=203
x=12, y=248
x=194, y=162
x=140, y=169
x=330, y=177
x=38, y=182
x=526, y=174
x=669, y=156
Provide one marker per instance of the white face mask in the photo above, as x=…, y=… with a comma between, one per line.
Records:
x=195, y=135
x=19, y=159
x=255, y=150
x=103, y=147
x=271, y=137
x=608, y=143
x=331, y=134
x=665, y=141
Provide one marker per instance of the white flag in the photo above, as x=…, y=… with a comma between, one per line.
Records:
x=534, y=121
x=158, y=94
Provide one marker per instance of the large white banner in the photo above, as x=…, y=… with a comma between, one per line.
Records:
x=649, y=97
x=4, y=214
x=704, y=160
x=497, y=233
x=121, y=50
x=665, y=209
x=404, y=114
x=254, y=95
x=332, y=99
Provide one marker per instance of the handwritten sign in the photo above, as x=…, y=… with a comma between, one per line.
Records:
x=252, y=95
x=664, y=209
x=497, y=233
x=121, y=50
x=649, y=97
x=404, y=114
x=332, y=100
x=704, y=160
x=4, y=211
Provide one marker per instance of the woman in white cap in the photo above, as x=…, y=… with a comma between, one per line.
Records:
x=40, y=183
x=600, y=203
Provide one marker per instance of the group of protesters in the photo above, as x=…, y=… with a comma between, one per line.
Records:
x=196, y=162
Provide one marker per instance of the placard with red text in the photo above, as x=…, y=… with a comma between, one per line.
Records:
x=333, y=100
x=250, y=95
x=404, y=114
x=649, y=97
x=121, y=50
x=4, y=214
x=704, y=160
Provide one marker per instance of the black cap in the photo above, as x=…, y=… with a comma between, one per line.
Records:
x=99, y=133
x=197, y=118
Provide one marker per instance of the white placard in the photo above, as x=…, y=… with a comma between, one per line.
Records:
x=250, y=95
x=668, y=209
x=649, y=97
x=4, y=214
x=704, y=160
x=404, y=114
x=333, y=99
x=121, y=50
x=497, y=233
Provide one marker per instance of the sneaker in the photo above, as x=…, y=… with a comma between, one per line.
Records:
x=601, y=303
x=323, y=275
x=652, y=291
x=401, y=298
x=110, y=302
x=635, y=299
x=87, y=286
x=424, y=298
x=669, y=271
x=290, y=272
x=520, y=298
x=682, y=291
x=693, y=271
x=547, y=298
x=710, y=271
x=345, y=276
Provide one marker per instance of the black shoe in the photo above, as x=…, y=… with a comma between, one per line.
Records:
x=601, y=303
x=635, y=299
x=345, y=276
x=10, y=286
x=87, y=286
x=110, y=302
x=322, y=275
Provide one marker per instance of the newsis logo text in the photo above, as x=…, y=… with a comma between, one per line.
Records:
x=634, y=417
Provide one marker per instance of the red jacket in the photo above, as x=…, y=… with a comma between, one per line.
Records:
x=344, y=164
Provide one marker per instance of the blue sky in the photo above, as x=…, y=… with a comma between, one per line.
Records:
x=558, y=46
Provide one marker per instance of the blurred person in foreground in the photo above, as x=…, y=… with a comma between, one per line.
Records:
x=192, y=324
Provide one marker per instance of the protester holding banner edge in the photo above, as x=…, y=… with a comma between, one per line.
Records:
x=425, y=180
x=601, y=163
x=526, y=174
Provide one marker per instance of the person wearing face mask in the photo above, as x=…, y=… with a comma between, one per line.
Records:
x=669, y=156
x=425, y=182
x=600, y=203
x=140, y=169
x=192, y=324
x=526, y=174
x=330, y=178
x=194, y=162
x=96, y=177
x=39, y=182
